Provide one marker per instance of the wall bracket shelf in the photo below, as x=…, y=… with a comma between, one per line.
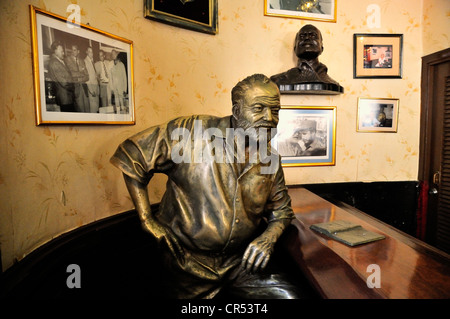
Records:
x=311, y=88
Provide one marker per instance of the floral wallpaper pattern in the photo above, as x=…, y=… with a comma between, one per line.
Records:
x=56, y=178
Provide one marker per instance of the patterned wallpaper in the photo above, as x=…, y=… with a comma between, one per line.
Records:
x=56, y=178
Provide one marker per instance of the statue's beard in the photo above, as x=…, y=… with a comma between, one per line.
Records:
x=254, y=130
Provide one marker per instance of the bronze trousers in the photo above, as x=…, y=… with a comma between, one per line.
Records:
x=208, y=275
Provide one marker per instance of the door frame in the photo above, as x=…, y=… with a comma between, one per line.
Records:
x=429, y=62
x=426, y=110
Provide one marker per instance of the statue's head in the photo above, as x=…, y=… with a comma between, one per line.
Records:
x=256, y=102
x=308, y=42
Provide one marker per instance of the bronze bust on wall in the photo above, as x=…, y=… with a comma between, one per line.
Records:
x=309, y=76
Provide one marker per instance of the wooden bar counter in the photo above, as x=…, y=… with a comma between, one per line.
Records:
x=409, y=268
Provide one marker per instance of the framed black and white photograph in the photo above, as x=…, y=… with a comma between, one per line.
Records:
x=377, y=115
x=197, y=15
x=306, y=135
x=377, y=55
x=319, y=10
x=81, y=75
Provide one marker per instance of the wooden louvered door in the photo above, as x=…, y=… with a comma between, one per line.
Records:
x=434, y=163
x=443, y=204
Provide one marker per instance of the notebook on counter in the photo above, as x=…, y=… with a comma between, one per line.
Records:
x=347, y=232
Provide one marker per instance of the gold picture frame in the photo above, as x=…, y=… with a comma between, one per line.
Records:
x=318, y=10
x=70, y=87
x=377, y=56
x=198, y=15
x=377, y=115
x=306, y=136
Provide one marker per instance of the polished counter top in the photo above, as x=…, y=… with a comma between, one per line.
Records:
x=409, y=268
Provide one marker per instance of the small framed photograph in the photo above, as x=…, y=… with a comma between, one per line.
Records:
x=377, y=115
x=319, y=10
x=197, y=15
x=306, y=136
x=377, y=55
x=81, y=75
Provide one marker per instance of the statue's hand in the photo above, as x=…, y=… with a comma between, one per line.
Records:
x=258, y=253
x=163, y=233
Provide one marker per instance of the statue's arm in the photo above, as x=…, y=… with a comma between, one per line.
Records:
x=139, y=195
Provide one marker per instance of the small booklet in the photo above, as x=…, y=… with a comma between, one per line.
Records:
x=346, y=232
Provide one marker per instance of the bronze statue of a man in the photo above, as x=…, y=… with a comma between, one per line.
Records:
x=308, y=46
x=223, y=210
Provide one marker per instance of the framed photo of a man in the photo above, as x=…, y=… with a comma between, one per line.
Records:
x=81, y=75
x=306, y=136
x=320, y=10
x=377, y=115
x=377, y=55
x=197, y=15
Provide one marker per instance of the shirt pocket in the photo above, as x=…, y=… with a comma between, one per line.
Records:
x=256, y=192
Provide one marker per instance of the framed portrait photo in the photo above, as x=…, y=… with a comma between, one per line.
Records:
x=377, y=115
x=306, y=136
x=377, y=55
x=197, y=15
x=81, y=75
x=319, y=10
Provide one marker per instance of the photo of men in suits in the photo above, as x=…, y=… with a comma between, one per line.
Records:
x=83, y=75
